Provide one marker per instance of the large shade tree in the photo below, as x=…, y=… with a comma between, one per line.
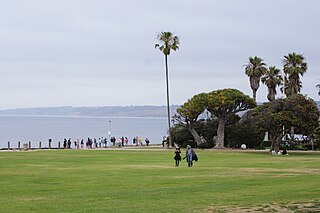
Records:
x=224, y=104
x=167, y=42
x=279, y=116
x=255, y=69
x=272, y=79
x=294, y=66
x=189, y=112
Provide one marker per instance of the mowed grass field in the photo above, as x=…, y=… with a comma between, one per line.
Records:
x=148, y=181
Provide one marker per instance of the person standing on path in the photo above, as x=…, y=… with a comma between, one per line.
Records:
x=122, y=141
x=147, y=141
x=64, y=143
x=81, y=143
x=126, y=141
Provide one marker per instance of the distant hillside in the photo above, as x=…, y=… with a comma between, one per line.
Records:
x=104, y=111
x=107, y=111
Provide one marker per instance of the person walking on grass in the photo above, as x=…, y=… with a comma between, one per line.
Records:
x=177, y=156
x=189, y=155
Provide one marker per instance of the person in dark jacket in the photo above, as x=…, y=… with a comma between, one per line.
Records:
x=147, y=141
x=177, y=156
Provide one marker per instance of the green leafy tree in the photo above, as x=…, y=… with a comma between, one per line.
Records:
x=189, y=112
x=255, y=69
x=224, y=104
x=279, y=116
x=316, y=138
x=272, y=79
x=294, y=66
x=167, y=42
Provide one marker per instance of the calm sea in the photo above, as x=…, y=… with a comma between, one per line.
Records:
x=43, y=128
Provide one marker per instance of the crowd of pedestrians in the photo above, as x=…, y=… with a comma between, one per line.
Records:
x=102, y=142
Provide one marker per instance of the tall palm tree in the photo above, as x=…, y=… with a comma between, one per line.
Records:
x=167, y=42
x=294, y=66
x=255, y=69
x=272, y=79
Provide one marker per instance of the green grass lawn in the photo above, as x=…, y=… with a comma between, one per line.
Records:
x=148, y=181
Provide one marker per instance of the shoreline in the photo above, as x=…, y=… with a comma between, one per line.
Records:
x=154, y=147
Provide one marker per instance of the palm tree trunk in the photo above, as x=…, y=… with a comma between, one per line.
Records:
x=254, y=84
x=271, y=94
x=168, y=102
x=254, y=95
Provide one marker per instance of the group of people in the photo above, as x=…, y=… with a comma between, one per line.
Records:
x=190, y=156
x=123, y=141
x=89, y=144
x=103, y=142
x=138, y=141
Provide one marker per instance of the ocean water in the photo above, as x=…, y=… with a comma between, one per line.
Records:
x=42, y=128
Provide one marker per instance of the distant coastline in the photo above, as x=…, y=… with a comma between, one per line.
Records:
x=101, y=111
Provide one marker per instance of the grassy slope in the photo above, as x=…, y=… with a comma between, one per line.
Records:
x=147, y=181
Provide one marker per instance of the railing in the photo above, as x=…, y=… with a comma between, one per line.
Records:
x=28, y=145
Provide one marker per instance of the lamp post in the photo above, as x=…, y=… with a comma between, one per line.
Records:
x=109, y=131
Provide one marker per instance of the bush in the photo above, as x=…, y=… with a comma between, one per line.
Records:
x=299, y=147
x=189, y=142
x=181, y=135
x=207, y=128
x=207, y=145
x=243, y=133
x=265, y=145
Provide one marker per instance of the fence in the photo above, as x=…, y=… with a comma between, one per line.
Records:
x=30, y=145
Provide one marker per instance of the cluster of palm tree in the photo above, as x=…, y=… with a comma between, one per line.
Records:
x=294, y=66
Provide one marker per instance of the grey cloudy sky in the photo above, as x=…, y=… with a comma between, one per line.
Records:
x=98, y=53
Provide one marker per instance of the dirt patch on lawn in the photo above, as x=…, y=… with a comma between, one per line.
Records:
x=313, y=207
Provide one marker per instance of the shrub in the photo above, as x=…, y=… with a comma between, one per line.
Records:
x=181, y=135
x=243, y=133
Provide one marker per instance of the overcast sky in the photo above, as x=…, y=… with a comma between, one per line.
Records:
x=100, y=53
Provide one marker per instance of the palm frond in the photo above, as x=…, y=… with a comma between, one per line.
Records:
x=168, y=42
x=294, y=66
